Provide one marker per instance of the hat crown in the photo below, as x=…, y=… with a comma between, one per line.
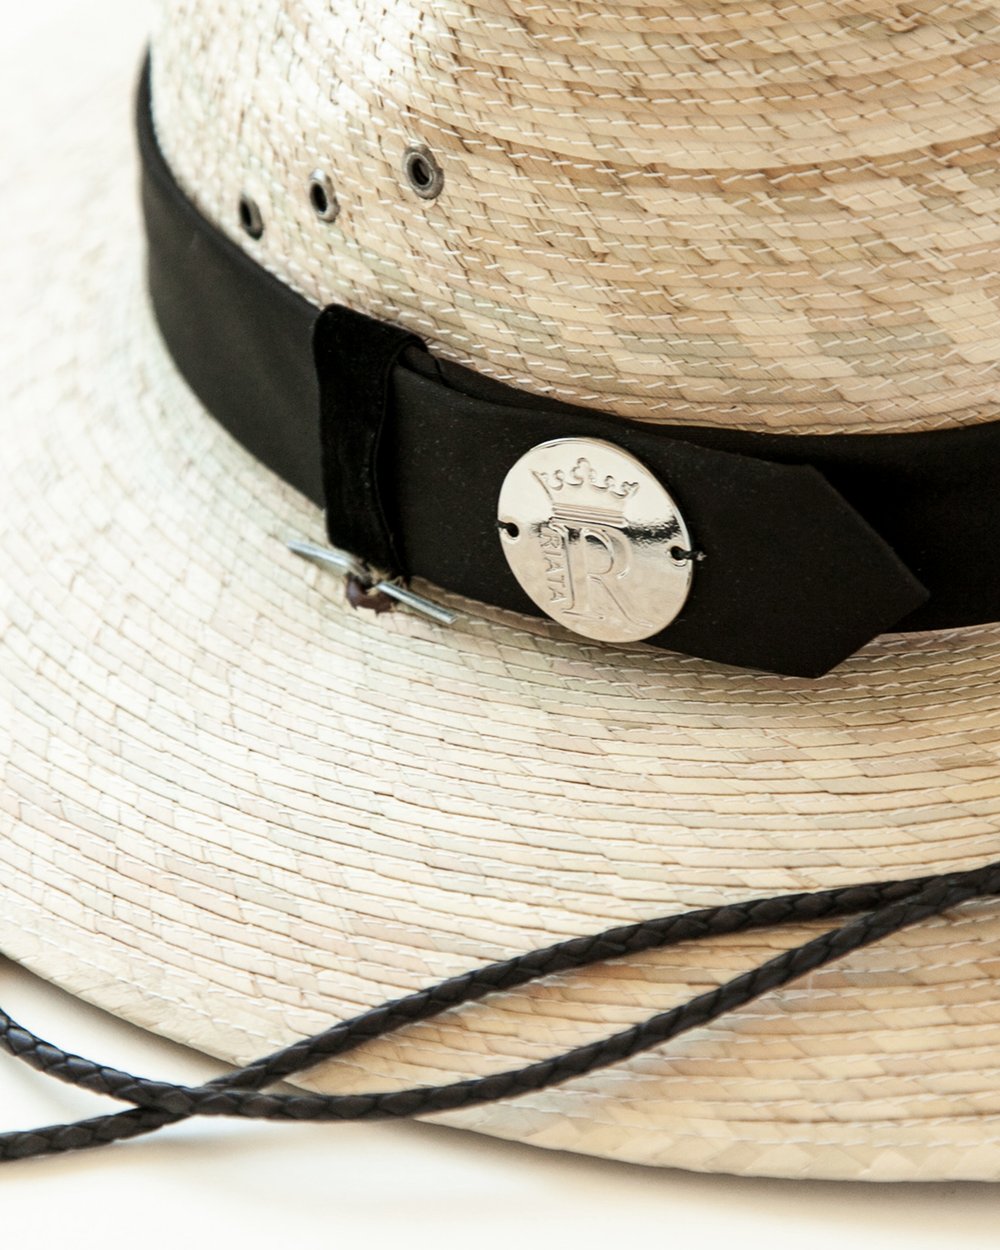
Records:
x=780, y=217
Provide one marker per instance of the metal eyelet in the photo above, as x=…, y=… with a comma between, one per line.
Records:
x=250, y=217
x=322, y=197
x=423, y=173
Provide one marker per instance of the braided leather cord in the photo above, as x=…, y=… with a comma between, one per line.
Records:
x=880, y=909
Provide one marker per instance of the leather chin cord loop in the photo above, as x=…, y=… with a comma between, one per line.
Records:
x=879, y=909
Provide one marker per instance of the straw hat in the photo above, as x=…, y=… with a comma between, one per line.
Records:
x=236, y=810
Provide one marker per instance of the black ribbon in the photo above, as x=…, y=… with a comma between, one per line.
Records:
x=813, y=544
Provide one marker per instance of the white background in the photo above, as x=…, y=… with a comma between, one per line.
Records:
x=251, y=1186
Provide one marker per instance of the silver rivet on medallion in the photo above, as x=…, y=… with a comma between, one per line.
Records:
x=595, y=540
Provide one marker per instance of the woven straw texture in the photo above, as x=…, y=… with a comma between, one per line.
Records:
x=233, y=810
x=776, y=214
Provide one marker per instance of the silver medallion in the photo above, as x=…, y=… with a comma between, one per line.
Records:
x=595, y=540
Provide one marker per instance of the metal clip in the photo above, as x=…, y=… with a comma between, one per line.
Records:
x=351, y=566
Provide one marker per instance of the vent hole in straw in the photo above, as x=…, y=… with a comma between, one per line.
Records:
x=322, y=197
x=250, y=217
x=423, y=173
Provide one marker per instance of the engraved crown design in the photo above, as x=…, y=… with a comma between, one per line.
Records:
x=580, y=494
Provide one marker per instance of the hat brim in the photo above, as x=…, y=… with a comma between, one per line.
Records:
x=235, y=809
